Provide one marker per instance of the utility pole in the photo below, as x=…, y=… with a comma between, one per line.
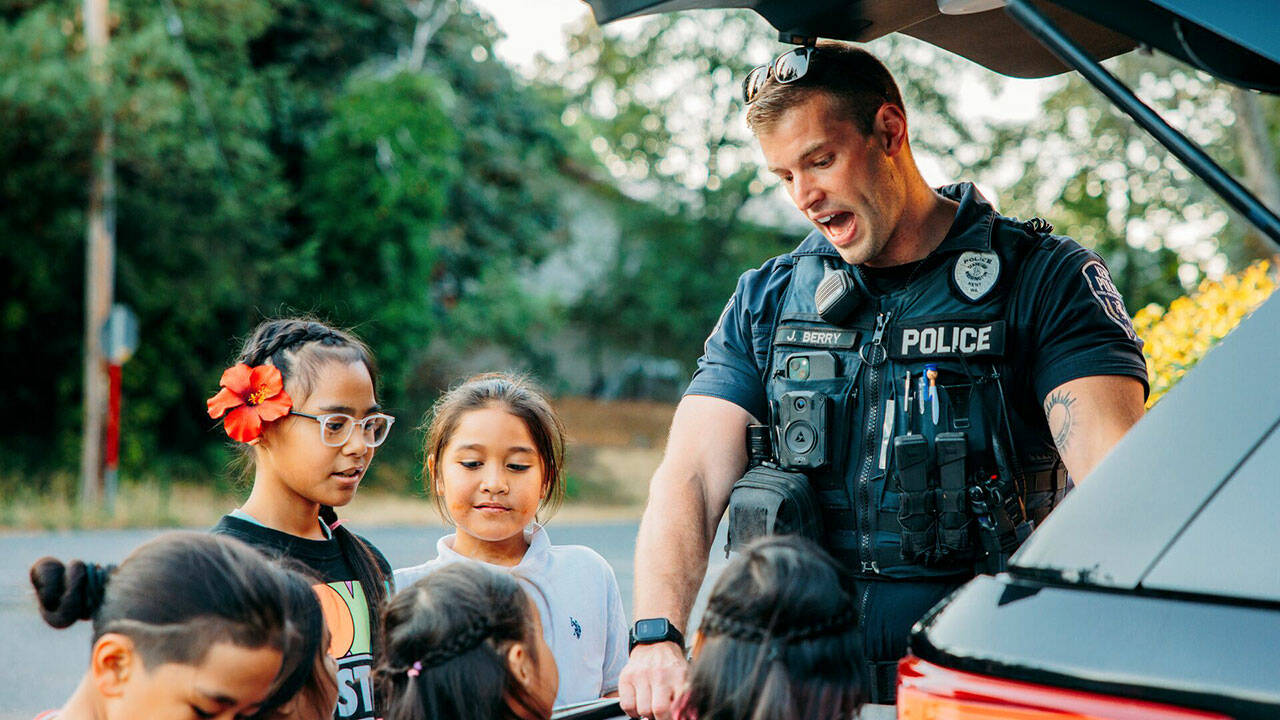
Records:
x=99, y=268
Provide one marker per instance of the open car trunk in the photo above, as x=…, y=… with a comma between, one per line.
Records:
x=1233, y=40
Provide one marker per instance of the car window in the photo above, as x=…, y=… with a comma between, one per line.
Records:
x=1229, y=549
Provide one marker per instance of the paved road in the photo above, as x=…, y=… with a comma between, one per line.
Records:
x=44, y=664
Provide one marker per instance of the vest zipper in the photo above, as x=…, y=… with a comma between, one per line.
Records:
x=870, y=435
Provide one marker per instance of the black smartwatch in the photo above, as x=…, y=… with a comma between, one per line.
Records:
x=651, y=631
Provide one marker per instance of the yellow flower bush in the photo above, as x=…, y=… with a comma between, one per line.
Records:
x=1178, y=337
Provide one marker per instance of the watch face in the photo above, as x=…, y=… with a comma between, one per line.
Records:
x=653, y=629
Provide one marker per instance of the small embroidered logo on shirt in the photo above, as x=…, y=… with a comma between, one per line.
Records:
x=577, y=628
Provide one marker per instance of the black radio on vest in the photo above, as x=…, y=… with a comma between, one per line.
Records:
x=889, y=419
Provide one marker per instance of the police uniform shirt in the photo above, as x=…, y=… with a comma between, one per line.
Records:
x=1068, y=319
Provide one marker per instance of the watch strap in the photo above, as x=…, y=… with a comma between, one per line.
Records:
x=672, y=635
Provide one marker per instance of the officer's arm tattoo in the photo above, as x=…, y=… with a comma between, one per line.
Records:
x=1057, y=410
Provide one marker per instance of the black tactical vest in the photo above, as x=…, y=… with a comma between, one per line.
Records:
x=901, y=415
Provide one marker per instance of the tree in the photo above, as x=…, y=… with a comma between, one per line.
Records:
x=1100, y=178
x=271, y=158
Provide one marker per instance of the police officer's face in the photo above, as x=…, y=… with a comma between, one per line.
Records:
x=843, y=181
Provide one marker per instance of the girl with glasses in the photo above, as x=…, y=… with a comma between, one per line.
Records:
x=302, y=401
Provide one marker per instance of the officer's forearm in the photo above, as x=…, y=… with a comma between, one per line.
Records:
x=706, y=453
x=671, y=550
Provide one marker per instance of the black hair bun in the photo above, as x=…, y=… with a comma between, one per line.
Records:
x=68, y=593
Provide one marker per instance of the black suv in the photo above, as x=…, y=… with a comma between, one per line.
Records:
x=1157, y=581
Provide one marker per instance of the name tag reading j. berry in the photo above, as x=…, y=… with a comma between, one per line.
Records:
x=815, y=337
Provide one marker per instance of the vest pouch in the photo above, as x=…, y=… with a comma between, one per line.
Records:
x=770, y=501
x=917, y=508
x=941, y=450
x=955, y=536
x=961, y=403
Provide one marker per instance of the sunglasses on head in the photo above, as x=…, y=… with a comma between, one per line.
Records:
x=788, y=67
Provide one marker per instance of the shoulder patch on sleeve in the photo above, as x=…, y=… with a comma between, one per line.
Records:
x=1107, y=295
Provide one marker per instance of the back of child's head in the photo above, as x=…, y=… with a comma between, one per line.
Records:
x=447, y=642
x=174, y=597
x=521, y=398
x=778, y=639
x=307, y=688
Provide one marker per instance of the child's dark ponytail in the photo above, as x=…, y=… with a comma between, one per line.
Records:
x=68, y=593
x=175, y=597
x=447, y=637
x=373, y=578
x=779, y=638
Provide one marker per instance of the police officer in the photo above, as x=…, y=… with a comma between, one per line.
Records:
x=931, y=368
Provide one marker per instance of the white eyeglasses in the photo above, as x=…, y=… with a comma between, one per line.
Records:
x=336, y=428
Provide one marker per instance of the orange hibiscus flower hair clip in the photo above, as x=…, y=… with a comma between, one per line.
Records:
x=249, y=397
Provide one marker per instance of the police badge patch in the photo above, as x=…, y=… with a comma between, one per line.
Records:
x=975, y=274
x=1107, y=295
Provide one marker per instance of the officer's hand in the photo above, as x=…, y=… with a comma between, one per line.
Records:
x=654, y=675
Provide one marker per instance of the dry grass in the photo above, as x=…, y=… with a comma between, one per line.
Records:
x=193, y=506
x=615, y=423
x=137, y=505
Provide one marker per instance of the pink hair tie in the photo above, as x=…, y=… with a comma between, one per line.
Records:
x=417, y=668
x=335, y=524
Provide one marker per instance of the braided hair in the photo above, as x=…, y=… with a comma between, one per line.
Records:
x=174, y=597
x=778, y=639
x=446, y=642
x=298, y=348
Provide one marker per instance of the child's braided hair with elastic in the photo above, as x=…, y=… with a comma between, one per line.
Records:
x=778, y=640
x=447, y=637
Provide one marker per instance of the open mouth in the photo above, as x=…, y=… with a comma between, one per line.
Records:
x=837, y=226
x=349, y=474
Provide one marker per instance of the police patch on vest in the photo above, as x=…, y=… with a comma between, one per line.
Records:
x=975, y=274
x=1107, y=295
x=947, y=340
x=815, y=337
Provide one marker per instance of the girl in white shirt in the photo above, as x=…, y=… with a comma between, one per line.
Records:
x=495, y=453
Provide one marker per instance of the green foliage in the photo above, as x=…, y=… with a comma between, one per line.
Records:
x=661, y=108
x=47, y=110
x=270, y=158
x=1098, y=177
x=359, y=162
x=375, y=192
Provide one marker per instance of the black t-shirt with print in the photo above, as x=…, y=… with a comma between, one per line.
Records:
x=346, y=609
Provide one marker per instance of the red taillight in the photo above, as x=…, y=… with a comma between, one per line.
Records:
x=929, y=692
